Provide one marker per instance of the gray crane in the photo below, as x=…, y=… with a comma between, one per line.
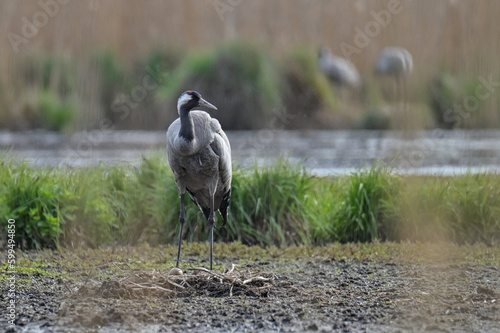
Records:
x=398, y=63
x=341, y=72
x=199, y=155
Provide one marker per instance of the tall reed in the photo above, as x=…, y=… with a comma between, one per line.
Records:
x=459, y=38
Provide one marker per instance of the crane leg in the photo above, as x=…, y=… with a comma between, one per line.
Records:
x=405, y=96
x=211, y=223
x=398, y=93
x=211, y=244
x=182, y=215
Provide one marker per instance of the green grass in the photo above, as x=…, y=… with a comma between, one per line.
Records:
x=56, y=114
x=277, y=205
x=358, y=215
x=461, y=209
x=269, y=205
x=34, y=200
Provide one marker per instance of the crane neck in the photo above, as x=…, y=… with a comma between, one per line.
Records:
x=187, y=126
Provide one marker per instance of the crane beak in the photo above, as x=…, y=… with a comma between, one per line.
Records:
x=206, y=104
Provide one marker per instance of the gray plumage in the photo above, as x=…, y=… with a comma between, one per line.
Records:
x=199, y=155
x=398, y=63
x=339, y=71
x=395, y=61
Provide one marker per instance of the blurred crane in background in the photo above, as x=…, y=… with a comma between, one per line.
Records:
x=398, y=63
x=341, y=72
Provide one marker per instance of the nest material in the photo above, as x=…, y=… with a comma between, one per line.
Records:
x=199, y=281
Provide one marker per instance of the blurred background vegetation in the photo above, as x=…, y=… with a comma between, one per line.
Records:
x=127, y=61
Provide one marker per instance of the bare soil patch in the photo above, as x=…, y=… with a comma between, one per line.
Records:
x=319, y=293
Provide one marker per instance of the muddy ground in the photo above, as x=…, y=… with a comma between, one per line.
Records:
x=340, y=288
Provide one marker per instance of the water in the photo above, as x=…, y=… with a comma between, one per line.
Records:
x=320, y=152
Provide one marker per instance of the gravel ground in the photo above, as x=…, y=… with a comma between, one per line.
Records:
x=324, y=292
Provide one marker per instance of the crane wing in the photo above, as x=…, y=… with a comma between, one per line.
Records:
x=222, y=148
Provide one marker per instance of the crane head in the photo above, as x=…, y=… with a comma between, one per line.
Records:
x=191, y=99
